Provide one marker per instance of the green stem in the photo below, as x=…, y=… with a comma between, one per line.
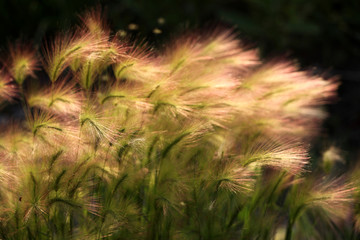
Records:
x=288, y=235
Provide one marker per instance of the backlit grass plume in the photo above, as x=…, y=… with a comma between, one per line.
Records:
x=8, y=89
x=201, y=140
x=21, y=61
x=64, y=99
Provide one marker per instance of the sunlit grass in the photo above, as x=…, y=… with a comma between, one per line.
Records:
x=201, y=140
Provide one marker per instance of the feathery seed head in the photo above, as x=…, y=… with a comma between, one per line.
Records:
x=7, y=89
x=64, y=50
x=278, y=153
x=218, y=50
x=43, y=125
x=138, y=63
x=334, y=197
x=21, y=62
x=96, y=126
x=286, y=99
x=232, y=177
x=63, y=99
x=93, y=22
x=330, y=157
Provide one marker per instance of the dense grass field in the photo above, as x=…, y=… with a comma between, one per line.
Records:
x=198, y=140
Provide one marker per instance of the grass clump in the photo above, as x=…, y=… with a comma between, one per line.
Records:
x=201, y=140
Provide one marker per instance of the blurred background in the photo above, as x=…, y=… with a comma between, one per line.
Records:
x=322, y=35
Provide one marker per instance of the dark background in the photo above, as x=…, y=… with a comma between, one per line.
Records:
x=323, y=35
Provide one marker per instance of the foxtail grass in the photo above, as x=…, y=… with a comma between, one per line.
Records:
x=199, y=140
